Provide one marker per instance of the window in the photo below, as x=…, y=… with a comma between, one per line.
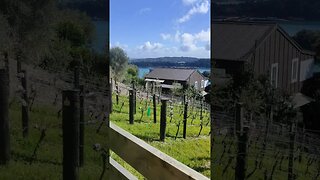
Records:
x=196, y=84
x=294, y=70
x=202, y=83
x=274, y=75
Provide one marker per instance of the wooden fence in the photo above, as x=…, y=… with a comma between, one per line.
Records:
x=149, y=161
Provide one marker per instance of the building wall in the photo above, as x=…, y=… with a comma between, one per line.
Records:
x=277, y=48
x=196, y=77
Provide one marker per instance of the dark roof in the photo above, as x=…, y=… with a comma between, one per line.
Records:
x=233, y=40
x=170, y=74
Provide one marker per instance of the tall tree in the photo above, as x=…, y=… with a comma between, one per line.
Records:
x=119, y=61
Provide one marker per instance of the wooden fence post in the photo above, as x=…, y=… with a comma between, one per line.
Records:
x=291, y=151
x=185, y=117
x=131, y=106
x=70, y=127
x=241, y=166
x=81, y=138
x=4, y=118
x=163, y=119
x=154, y=109
x=25, y=105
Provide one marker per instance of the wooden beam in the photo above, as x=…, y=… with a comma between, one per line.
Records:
x=149, y=161
x=118, y=172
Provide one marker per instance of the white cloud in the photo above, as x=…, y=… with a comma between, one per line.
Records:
x=150, y=46
x=190, y=42
x=144, y=10
x=203, y=36
x=165, y=36
x=188, y=2
x=199, y=8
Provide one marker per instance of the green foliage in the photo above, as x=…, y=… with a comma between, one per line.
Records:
x=70, y=31
x=309, y=40
x=206, y=74
x=131, y=74
x=118, y=62
x=257, y=95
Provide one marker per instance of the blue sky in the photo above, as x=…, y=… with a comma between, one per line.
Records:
x=157, y=28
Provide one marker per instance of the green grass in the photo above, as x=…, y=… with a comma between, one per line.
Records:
x=193, y=151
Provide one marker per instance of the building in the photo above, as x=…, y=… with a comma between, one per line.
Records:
x=266, y=48
x=169, y=77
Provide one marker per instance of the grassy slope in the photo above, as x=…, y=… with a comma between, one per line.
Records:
x=194, y=151
x=49, y=155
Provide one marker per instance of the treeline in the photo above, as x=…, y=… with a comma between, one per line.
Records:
x=172, y=62
x=284, y=9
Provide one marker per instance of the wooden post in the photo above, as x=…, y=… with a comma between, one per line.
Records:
x=154, y=109
x=117, y=93
x=239, y=118
x=18, y=66
x=291, y=151
x=163, y=119
x=81, y=138
x=134, y=98
x=76, y=77
x=4, y=118
x=7, y=66
x=185, y=117
x=110, y=90
x=25, y=105
x=131, y=106
x=70, y=128
x=201, y=108
x=241, y=166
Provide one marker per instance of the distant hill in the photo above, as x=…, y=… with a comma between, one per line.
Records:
x=172, y=62
x=280, y=9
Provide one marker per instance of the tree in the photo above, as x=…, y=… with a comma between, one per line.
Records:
x=206, y=74
x=118, y=62
x=309, y=40
x=29, y=26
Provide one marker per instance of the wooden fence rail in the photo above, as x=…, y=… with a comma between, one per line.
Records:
x=149, y=161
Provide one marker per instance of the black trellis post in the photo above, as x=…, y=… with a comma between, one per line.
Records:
x=25, y=105
x=4, y=118
x=163, y=119
x=81, y=136
x=70, y=127
x=131, y=106
x=185, y=117
x=154, y=108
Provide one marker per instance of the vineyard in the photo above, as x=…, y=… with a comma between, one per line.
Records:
x=255, y=149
